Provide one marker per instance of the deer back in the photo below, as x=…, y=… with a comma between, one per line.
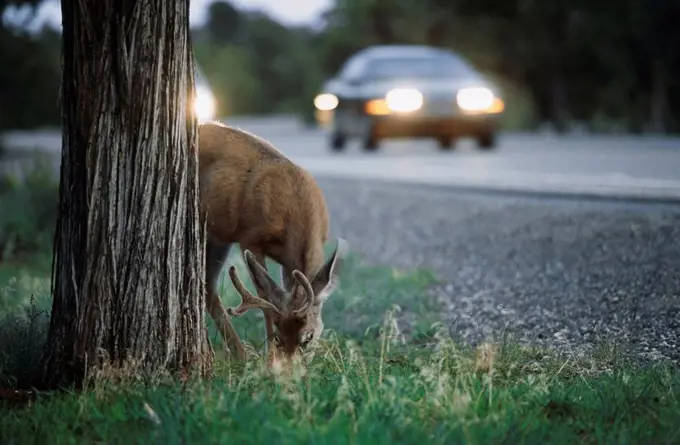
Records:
x=256, y=196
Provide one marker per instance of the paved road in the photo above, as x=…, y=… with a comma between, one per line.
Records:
x=622, y=166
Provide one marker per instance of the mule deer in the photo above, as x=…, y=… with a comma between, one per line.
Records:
x=253, y=195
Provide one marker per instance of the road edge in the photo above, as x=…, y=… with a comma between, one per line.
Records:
x=672, y=199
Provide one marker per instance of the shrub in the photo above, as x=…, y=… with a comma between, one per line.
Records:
x=29, y=203
x=22, y=336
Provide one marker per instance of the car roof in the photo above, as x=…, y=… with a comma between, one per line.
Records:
x=361, y=58
x=388, y=51
x=358, y=62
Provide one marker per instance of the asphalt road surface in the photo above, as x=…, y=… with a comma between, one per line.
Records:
x=613, y=166
x=570, y=272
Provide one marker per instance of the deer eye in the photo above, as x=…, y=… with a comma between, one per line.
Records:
x=277, y=340
x=306, y=340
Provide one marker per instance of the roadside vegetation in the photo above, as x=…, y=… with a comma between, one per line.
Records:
x=607, y=76
x=386, y=372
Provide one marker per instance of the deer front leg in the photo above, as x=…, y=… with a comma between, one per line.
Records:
x=215, y=256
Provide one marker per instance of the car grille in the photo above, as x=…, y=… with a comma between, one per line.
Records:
x=440, y=105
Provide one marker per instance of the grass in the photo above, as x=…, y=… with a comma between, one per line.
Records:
x=356, y=307
x=384, y=374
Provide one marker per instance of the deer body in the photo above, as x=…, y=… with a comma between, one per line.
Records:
x=251, y=194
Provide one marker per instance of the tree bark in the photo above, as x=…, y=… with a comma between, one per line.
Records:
x=128, y=272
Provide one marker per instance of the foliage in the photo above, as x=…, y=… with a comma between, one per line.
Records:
x=23, y=333
x=224, y=22
x=29, y=90
x=559, y=61
x=228, y=70
x=256, y=64
x=29, y=203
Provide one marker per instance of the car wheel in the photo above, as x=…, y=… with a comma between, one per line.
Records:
x=445, y=142
x=486, y=141
x=338, y=141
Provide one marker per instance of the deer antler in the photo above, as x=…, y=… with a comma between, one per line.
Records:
x=261, y=278
x=248, y=300
x=309, y=292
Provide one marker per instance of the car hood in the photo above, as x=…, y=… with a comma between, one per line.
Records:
x=425, y=86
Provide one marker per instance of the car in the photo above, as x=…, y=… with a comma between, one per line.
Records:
x=204, y=102
x=408, y=91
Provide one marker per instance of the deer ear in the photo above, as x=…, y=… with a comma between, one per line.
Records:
x=263, y=280
x=328, y=278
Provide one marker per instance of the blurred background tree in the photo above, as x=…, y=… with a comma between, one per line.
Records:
x=30, y=73
x=606, y=65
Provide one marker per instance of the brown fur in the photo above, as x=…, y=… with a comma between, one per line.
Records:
x=254, y=196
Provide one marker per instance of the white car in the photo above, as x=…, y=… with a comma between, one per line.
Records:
x=408, y=91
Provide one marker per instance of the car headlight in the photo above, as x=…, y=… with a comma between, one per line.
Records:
x=475, y=99
x=204, y=104
x=404, y=100
x=326, y=102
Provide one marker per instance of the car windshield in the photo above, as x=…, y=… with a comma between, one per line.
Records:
x=418, y=67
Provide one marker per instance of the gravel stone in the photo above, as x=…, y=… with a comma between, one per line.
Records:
x=562, y=273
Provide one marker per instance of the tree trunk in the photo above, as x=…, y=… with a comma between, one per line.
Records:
x=128, y=273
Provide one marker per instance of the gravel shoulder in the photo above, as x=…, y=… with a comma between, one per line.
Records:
x=552, y=272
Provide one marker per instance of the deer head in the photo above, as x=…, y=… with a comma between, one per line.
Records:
x=296, y=311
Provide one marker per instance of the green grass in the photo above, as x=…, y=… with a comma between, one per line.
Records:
x=436, y=400
x=383, y=374
x=379, y=387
